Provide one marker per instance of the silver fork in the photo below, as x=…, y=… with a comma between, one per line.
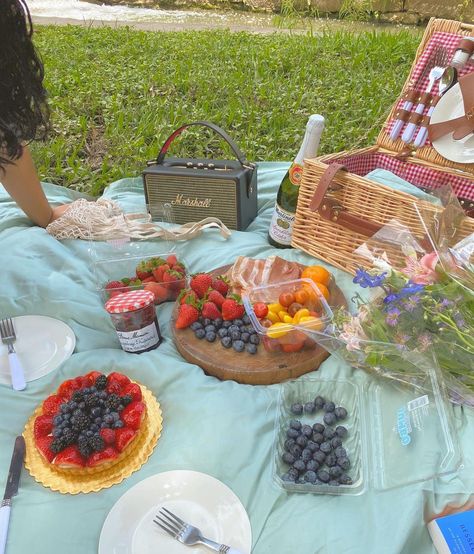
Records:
x=7, y=332
x=440, y=63
x=188, y=534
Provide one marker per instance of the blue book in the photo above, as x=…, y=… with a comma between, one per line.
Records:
x=453, y=534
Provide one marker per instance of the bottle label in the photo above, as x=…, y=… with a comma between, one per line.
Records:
x=141, y=339
x=295, y=173
x=281, y=226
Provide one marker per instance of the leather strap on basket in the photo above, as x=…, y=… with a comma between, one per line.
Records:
x=331, y=210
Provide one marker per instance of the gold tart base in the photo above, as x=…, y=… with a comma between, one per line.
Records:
x=76, y=481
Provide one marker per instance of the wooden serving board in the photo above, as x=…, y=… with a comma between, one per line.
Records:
x=263, y=368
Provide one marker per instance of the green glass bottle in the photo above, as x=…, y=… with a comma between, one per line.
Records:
x=281, y=226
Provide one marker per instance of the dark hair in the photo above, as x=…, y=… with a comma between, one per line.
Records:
x=24, y=112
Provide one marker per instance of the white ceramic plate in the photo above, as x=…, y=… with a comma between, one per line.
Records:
x=42, y=344
x=450, y=107
x=195, y=497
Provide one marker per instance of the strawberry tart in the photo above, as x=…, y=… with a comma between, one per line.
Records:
x=91, y=423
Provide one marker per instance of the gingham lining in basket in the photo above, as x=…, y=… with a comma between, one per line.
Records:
x=417, y=175
x=450, y=41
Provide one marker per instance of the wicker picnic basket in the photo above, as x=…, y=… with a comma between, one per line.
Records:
x=338, y=208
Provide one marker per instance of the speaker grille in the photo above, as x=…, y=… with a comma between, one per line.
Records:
x=193, y=199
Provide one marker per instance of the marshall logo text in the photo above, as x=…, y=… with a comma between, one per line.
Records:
x=192, y=202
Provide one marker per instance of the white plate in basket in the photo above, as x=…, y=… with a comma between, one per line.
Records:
x=450, y=107
x=42, y=344
x=195, y=497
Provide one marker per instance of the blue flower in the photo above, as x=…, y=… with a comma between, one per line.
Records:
x=391, y=298
x=411, y=288
x=365, y=279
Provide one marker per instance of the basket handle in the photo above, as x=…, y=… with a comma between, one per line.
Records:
x=332, y=210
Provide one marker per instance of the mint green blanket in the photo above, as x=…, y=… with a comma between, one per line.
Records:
x=220, y=428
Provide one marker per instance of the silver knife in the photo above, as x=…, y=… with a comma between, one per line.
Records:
x=11, y=489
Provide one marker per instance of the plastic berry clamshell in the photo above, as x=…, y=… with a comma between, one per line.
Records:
x=391, y=434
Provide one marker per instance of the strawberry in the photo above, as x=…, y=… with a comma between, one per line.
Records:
x=67, y=388
x=187, y=314
x=91, y=378
x=159, y=291
x=171, y=260
x=173, y=279
x=210, y=310
x=69, y=457
x=158, y=273
x=98, y=458
x=52, y=403
x=43, y=426
x=108, y=435
x=117, y=382
x=200, y=283
x=133, y=414
x=124, y=438
x=114, y=288
x=216, y=297
x=260, y=309
x=221, y=284
x=155, y=262
x=79, y=382
x=143, y=270
x=133, y=390
x=149, y=280
x=42, y=444
x=180, y=269
x=187, y=296
x=232, y=308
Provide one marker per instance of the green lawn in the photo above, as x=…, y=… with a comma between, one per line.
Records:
x=116, y=94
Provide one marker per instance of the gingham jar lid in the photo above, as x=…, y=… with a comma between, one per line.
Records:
x=129, y=301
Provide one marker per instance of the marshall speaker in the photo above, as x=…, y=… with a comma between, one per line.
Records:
x=200, y=188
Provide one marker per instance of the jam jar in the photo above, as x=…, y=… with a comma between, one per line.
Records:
x=134, y=317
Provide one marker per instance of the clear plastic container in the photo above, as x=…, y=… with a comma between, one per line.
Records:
x=281, y=328
x=397, y=433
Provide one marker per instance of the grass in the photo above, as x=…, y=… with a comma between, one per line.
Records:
x=116, y=94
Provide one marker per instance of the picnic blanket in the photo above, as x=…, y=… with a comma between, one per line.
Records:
x=221, y=428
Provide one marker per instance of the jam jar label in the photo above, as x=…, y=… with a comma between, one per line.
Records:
x=139, y=340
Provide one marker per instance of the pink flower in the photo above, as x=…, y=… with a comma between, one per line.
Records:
x=423, y=271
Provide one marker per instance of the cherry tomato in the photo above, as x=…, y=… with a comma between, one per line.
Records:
x=260, y=309
x=286, y=299
x=266, y=323
x=301, y=296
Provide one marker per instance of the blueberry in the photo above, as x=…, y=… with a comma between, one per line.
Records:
x=335, y=472
x=235, y=335
x=251, y=348
x=222, y=332
x=329, y=433
x=344, y=463
x=94, y=428
x=200, y=333
x=331, y=460
x=295, y=424
x=245, y=337
x=66, y=416
x=309, y=408
x=340, y=452
x=341, y=431
x=238, y=322
x=344, y=479
x=288, y=478
x=313, y=446
x=210, y=336
x=195, y=326
x=254, y=339
x=98, y=420
x=118, y=424
x=302, y=441
x=292, y=433
x=103, y=425
x=289, y=443
x=96, y=412
x=297, y=409
x=57, y=420
x=89, y=433
x=72, y=405
x=340, y=413
x=319, y=402
x=323, y=476
x=329, y=418
x=325, y=447
x=64, y=408
x=333, y=483
x=81, y=405
x=233, y=328
x=288, y=458
x=210, y=328
x=320, y=457
x=103, y=394
x=246, y=319
x=294, y=473
x=226, y=324
x=115, y=416
x=318, y=428
x=329, y=407
x=310, y=476
x=206, y=321
x=318, y=438
x=226, y=342
x=335, y=442
x=312, y=465
x=296, y=450
x=57, y=432
x=108, y=418
x=299, y=465
x=306, y=455
x=307, y=431
x=238, y=346
x=218, y=322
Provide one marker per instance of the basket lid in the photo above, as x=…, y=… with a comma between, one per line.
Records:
x=439, y=32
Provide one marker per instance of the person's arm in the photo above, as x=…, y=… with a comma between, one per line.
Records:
x=21, y=181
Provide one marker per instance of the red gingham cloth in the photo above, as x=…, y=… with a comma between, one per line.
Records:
x=417, y=175
x=450, y=41
x=129, y=301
